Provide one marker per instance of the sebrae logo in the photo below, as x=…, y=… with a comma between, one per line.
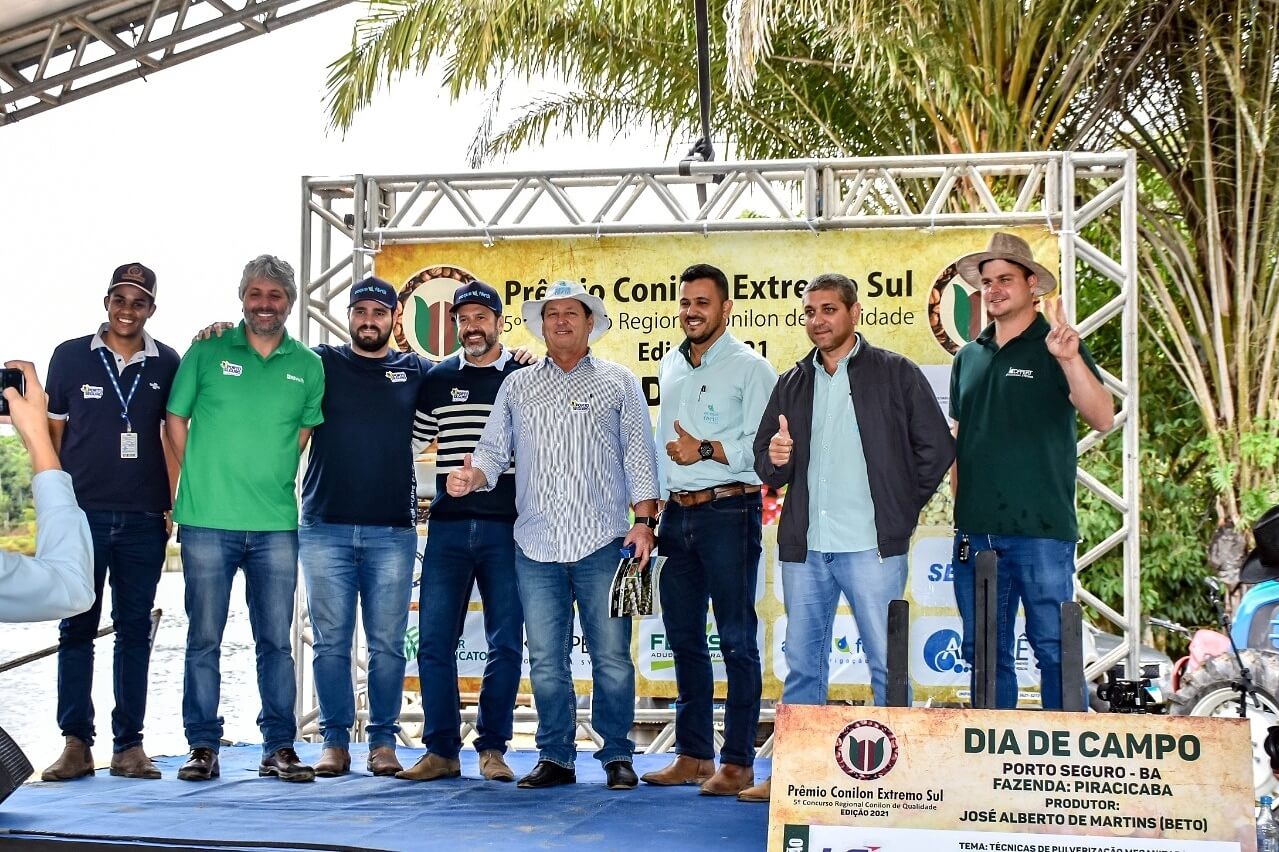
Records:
x=425, y=326
x=229, y=369
x=866, y=750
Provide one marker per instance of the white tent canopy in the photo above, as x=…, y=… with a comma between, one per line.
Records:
x=57, y=51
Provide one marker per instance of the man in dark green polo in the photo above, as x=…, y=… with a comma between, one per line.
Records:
x=240, y=414
x=1014, y=392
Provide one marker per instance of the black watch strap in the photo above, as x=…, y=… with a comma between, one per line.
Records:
x=647, y=521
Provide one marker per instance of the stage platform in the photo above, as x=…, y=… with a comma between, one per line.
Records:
x=241, y=811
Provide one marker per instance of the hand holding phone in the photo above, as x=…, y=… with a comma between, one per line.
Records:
x=11, y=378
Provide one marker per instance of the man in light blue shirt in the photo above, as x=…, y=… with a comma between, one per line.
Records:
x=714, y=389
x=579, y=428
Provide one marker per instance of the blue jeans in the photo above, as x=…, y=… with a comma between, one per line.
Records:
x=269, y=560
x=130, y=547
x=339, y=563
x=1038, y=574
x=548, y=589
x=460, y=554
x=712, y=554
x=812, y=590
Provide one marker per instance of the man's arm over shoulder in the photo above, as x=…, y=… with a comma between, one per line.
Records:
x=58, y=581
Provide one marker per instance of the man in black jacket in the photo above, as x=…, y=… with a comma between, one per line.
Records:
x=857, y=435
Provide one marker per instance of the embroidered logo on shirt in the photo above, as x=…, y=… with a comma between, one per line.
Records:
x=229, y=369
x=397, y=376
x=91, y=391
x=710, y=415
x=1019, y=374
x=577, y=406
x=154, y=385
x=294, y=378
x=460, y=395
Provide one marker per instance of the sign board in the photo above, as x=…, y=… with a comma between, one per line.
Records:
x=859, y=778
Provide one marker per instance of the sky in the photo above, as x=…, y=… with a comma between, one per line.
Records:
x=198, y=169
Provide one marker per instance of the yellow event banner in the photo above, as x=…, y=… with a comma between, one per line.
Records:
x=912, y=302
x=860, y=778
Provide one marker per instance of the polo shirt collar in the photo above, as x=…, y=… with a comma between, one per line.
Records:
x=501, y=362
x=721, y=345
x=1037, y=330
x=149, y=349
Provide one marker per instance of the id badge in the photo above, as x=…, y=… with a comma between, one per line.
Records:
x=128, y=445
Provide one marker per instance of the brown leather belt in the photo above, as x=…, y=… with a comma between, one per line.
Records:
x=706, y=495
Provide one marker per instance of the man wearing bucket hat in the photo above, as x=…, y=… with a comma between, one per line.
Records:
x=580, y=431
x=1014, y=393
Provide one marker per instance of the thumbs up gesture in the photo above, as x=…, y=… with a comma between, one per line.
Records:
x=465, y=479
x=684, y=449
x=779, y=446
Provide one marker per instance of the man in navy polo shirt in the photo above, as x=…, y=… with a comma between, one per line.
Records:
x=357, y=538
x=107, y=396
x=471, y=541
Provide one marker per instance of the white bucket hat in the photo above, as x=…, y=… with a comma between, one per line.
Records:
x=1006, y=247
x=531, y=310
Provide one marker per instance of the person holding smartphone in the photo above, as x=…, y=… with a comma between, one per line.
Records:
x=57, y=581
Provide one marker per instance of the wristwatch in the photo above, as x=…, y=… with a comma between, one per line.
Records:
x=647, y=521
x=706, y=450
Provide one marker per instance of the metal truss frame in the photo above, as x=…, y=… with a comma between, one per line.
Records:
x=99, y=44
x=346, y=220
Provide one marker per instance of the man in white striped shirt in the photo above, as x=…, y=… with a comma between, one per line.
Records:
x=580, y=431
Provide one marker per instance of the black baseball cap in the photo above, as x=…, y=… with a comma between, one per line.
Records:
x=477, y=293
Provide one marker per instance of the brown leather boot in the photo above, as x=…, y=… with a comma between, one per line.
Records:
x=682, y=770
x=730, y=780
x=133, y=763
x=74, y=762
x=431, y=766
x=493, y=766
x=761, y=792
x=333, y=762
x=382, y=761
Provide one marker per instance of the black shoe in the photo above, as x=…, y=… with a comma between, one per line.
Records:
x=200, y=766
x=547, y=774
x=619, y=775
x=285, y=765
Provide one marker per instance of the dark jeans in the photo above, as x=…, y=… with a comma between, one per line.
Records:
x=128, y=547
x=460, y=554
x=712, y=554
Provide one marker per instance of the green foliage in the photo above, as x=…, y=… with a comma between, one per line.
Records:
x=15, y=481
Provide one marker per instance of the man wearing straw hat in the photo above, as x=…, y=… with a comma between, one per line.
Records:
x=1014, y=392
x=580, y=431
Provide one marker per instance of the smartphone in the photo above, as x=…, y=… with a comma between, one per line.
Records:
x=11, y=379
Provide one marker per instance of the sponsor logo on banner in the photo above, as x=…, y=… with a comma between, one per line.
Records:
x=91, y=391
x=937, y=657
x=866, y=750
x=943, y=652
x=847, y=656
x=932, y=574
x=426, y=326
x=229, y=369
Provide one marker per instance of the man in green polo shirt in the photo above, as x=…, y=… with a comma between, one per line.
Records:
x=1014, y=392
x=240, y=413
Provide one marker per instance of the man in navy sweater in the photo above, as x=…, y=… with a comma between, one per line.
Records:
x=358, y=537
x=471, y=542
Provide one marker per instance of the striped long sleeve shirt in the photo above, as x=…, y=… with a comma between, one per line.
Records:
x=454, y=405
x=584, y=452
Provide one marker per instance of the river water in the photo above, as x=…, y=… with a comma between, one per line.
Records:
x=29, y=694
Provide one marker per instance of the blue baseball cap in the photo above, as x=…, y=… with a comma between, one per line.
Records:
x=477, y=293
x=375, y=290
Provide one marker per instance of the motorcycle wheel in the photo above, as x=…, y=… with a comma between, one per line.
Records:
x=1207, y=691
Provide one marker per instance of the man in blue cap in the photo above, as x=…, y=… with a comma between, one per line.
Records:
x=471, y=542
x=358, y=538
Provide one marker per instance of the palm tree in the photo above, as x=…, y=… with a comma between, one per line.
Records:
x=1188, y=83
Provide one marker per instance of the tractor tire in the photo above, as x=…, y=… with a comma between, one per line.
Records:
x=1207, y=691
